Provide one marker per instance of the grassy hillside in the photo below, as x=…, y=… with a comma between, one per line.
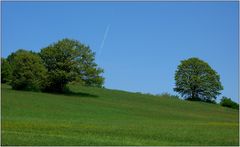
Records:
x=92, y=116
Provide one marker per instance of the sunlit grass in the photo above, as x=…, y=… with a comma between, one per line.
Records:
x=94, y=116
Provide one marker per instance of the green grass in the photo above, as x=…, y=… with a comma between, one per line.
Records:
x=93, y=116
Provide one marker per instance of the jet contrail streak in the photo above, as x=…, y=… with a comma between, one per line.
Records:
x=103, y=41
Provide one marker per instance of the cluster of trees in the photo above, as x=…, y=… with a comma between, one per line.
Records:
x=70, y=61
x=197, y=81
x=52, y=68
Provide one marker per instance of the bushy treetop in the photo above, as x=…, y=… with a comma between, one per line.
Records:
x=68, y=60
x=196, y=80
x=28, y=72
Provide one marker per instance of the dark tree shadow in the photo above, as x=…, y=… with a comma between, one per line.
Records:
x=79, y=94
x=68, y=92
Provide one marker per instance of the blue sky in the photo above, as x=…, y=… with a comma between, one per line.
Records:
x=139, y=44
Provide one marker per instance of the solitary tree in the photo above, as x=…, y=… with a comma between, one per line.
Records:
x=196, y=80
x=28, y=71
x=69, y=60
x=6, y=71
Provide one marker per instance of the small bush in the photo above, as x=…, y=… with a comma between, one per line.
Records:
x=227, y=102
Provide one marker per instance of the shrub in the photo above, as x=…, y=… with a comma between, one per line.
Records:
x=227, y=102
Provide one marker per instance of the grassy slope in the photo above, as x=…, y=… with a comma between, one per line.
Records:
x=110, y=117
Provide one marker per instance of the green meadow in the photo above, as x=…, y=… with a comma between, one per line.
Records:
x=95, y=116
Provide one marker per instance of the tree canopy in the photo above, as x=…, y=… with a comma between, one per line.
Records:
x=6, y=71
x=196, y=80
x=53, y=68
x=28, y=71
x=69, y=60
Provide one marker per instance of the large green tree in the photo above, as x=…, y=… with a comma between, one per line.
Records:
x=28, y=71
x=68, y=60
x=196, y=80
x=6, y=71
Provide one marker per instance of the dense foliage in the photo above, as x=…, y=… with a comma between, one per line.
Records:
x=28, y=71
x=227, y=102
x=196, y=80
x=87, y=70
x=67, y=61
x=6, y=71
x=53, y=68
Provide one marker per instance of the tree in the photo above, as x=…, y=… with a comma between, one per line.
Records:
x=196, y=80
x=87, y=70
x=28, y=71
x=227, y=102
x=69, y=60
x=6, y=71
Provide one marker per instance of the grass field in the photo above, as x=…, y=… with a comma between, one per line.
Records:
x=93, y=116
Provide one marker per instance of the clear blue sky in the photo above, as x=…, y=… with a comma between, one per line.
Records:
x=139, y=44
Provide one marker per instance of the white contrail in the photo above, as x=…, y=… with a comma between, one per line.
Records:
x=103, y=41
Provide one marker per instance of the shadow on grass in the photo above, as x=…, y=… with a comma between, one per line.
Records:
x=79, y=94
x=72, y=93
x=66, y=91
